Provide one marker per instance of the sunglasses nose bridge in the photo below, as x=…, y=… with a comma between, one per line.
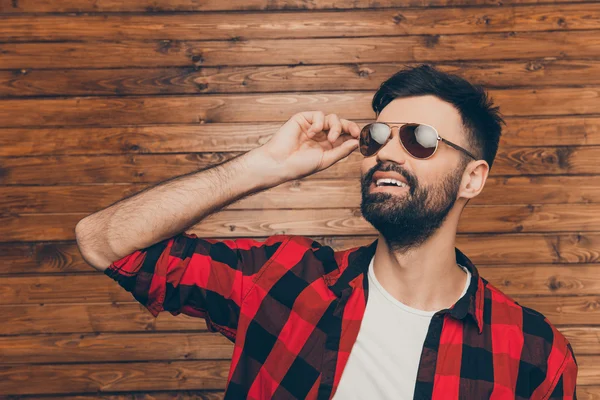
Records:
x=391, y=136
x=382, y=154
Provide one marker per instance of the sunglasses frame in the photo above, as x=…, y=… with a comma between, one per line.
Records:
x=393, y=125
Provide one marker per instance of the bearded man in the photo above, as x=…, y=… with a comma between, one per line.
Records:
x=405, y=317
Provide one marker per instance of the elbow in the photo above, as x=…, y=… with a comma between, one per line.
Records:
x=89, y=245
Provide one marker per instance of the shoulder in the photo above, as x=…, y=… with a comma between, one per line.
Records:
x=536, y=327
x=318, y=256
x=301, y=251
x=545, y=351
x=531, y=321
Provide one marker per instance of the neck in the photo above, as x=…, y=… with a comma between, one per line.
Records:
x=425, y=277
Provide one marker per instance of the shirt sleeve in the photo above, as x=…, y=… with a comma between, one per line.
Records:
x=204, y=278
x=566, y=382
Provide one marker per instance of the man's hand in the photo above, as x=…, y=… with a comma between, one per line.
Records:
x=302, y=146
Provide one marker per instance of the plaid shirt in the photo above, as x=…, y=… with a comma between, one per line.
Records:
x=293, y=308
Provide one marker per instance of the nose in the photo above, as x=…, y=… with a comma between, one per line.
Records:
x=392, y=150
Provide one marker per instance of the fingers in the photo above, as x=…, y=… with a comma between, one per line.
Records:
x=335, y=154
x=334, y=125
x=318, y=122
x=351, y=128
x=339, y=126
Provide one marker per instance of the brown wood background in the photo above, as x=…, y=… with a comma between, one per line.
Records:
x=99, y=98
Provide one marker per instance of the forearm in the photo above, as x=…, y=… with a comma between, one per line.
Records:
x=171, y=207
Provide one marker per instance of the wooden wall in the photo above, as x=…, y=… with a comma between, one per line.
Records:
x=100, y=98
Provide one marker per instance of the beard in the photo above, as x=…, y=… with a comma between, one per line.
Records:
x=407, y=221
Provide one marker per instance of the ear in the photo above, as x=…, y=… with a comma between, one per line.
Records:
x=474, y=179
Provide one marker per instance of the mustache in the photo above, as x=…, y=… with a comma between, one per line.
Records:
x=410, y=178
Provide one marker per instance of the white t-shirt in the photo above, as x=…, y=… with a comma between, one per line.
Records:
x=384, y=360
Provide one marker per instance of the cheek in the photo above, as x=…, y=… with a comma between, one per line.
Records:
x=429, y=175
x=366, y=165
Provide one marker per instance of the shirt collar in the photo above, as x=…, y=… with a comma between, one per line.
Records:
x=471, y=305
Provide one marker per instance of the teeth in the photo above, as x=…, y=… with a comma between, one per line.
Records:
x=389, y=180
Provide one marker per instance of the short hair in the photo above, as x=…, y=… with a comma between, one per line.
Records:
x=481, y=119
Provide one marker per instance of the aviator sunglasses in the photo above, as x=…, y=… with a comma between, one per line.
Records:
x=419, y=140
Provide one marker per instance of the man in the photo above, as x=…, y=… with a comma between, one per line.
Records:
x=407, y=316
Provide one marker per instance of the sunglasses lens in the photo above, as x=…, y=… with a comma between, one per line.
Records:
x=372, y=137
x=419, y=140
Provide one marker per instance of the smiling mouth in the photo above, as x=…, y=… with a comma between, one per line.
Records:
x=387, y=188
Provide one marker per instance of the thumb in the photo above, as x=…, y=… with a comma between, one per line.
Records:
x=337, y=153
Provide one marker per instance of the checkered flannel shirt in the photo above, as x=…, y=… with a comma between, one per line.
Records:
x=293, y=308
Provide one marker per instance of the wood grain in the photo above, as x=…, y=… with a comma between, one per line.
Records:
x=565, y=310
x=154, y=168
x=233, y=137
x=298, y=194
x=111, y=347
x=92, y=318
x=325, y=221
x=588, y=392
x=133, y=317
x=67, y=378
x=427, y=48
x=588, y=373
x=119, y=347
x=351, y=23
x=261, y=107
x=215, y=80
x=156, y=6
x=536, y=279
x=174, y=395
x=521, y=249
x=100, y=99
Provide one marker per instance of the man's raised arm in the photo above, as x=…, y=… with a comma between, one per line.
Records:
x=169, y=208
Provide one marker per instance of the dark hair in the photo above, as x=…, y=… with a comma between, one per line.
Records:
x=479, y=117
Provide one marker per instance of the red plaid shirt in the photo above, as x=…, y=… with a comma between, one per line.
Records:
x=293, y=308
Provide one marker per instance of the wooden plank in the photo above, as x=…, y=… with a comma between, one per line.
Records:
x=325, y=221
x=132, y=317
x=588, y=392
x=475, y=219
x=150, y=6
x=235, y=223
x=226, y=137
x=113, y=377
x=41, y=258
x=91, y=318
x=113, y=347
x=584, y=339
x=58, y=258
x=113, y=111
x=588, y=373
x=426, y=48
x=54, y=6
x=543, y=280
x=176, y=375
x=260, y=25
x=165, y=395
x=110, y=347
x=213, y=80
x=534, y=279
x=153, y=168
x=207, y=137
x=565, y=310
x=299, y=194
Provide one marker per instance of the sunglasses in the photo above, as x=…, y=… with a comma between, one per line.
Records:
x=419, y=140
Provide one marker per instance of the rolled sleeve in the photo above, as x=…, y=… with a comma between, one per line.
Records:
x=204, y=278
